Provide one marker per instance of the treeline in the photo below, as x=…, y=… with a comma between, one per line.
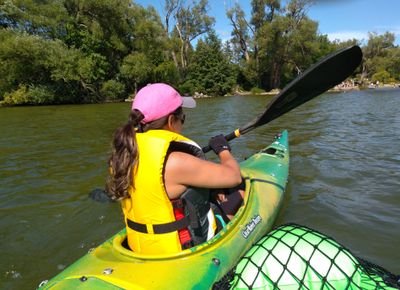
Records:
x=83, y=51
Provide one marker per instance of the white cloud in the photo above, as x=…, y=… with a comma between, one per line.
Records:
x=347, y=35
x=363, y=35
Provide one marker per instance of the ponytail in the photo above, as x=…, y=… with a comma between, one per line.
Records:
x=125, y=154
x=123, y=158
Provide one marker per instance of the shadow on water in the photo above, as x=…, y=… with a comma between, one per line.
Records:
x=344, y=176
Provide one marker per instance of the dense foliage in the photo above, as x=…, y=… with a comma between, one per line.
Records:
x=81, y=51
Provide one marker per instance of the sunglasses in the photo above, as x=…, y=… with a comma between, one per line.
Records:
x=178, y=113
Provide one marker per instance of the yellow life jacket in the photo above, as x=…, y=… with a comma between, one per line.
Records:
x=149, y=214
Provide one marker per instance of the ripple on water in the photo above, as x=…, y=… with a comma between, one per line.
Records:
x=12, y=274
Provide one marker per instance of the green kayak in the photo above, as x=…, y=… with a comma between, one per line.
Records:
x=113, y=266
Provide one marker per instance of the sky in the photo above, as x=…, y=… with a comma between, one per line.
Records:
x=339, y=19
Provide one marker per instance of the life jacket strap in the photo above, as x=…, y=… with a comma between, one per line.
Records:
x=159, y=228
x=185, y=237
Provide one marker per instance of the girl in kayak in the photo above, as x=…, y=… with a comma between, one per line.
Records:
x=162, y=178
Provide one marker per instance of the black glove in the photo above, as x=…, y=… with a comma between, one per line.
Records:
x=100, y=195
x=219, y=144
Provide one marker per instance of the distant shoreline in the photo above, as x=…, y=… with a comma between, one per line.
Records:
x=336, y=89
x=343, y=87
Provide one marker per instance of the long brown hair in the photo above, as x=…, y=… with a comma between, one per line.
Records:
x=125, y=153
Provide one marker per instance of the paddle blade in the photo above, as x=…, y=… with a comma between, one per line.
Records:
x=320, y=77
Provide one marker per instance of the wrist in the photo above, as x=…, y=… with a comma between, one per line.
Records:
x=224, y=148
x=224, y=152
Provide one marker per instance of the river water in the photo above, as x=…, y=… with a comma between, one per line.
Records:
x=344, y=175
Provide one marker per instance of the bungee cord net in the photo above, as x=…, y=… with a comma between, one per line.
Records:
x=297, y=257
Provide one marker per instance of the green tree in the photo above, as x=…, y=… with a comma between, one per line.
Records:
x=69, y=74
x=376, y=53
x=288, y=44
x=24, y=61
x=382, y=76
x=39, y=17
x=210, y=70
x=241, y=37
x=263, y=11
x=112, y=90
x=76, y=49
x=191, y=21
x=393, y=63
x=278, y=42
x=102, y=27
x=167, y=72
x=136, y=68
x=29, y=95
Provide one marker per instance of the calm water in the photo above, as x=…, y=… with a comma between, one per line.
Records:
x=344, y=175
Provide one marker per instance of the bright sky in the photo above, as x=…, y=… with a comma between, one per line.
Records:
x=339, y=19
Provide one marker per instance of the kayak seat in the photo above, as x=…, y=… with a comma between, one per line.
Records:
x=234, y=201
x=220, y=222
x=125, y=244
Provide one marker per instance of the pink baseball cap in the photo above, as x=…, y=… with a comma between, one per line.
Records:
x=158, y=100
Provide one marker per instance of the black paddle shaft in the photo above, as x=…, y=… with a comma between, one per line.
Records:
x=320, y=77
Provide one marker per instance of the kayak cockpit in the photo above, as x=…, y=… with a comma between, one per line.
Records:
x=121, y=247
